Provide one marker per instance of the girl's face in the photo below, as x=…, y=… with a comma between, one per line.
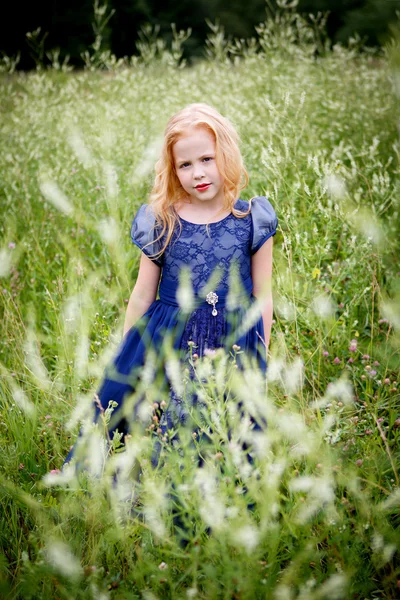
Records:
x=196, y=168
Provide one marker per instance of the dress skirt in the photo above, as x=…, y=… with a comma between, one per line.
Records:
x=208, y=326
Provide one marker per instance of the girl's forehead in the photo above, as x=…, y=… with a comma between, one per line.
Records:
x=195, y=141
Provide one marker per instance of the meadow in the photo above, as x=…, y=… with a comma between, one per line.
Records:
x=315, y=513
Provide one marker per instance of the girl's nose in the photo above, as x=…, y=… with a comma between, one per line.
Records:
x=198, y=172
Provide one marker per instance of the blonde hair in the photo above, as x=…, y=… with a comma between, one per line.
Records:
x=167, y=191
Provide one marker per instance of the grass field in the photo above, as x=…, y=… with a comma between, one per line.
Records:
x=316, y=515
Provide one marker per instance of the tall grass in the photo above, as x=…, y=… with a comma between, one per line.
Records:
x=310, y=508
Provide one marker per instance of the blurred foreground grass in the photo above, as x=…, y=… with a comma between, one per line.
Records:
x=316, y=512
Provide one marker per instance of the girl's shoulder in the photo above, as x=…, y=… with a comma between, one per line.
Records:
x=144, y=233
x=264, y=221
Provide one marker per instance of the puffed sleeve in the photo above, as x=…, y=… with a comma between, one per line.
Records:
x=264, y=221
x=144, y=233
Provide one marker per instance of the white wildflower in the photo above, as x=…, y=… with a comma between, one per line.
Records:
x=336, y=186
x=154, y=505
x=109, y=231
x=97, y=452
x=392, y=501
x=283, y=592
x=174, y=374
x=333, y=588
x=53, y=194
x=285, y=309
x=184, y=294
x=80, y=149
x=21, y=400
x=293, y=376
x=34, y=360
x=111, y=180
x=71, y=312
x=5, y=262
x=148, y=157
x=275, y=368
x=59, y=555
x=367, y=224
x=323, y=306
x=83, y=408
x=391, y=312
x=247, y=537
x=302, y=484
x=211, y=509
x=341, y=390
x=64, y=478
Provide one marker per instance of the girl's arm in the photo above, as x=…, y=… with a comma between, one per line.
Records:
x=144, y=293
x=261, y=272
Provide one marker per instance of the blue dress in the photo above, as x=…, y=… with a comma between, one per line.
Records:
x=208, y=314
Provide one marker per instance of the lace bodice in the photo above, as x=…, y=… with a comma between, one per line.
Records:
x=203, y=249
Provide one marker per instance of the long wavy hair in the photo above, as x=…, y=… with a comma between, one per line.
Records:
x=167, y=191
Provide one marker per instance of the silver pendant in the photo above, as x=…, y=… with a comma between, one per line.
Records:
x=212, y=298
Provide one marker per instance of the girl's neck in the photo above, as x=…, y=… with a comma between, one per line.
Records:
x=200, y=214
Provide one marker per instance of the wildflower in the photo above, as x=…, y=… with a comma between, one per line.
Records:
x=247, y=537
x=381, y=321
x=376, y=363
x=336, y=360
x=368, y=431
x=372, y=372
x=235, y=347
x=48, y=417
x=359, y=462
x=61, y=558
x=53, y=194
x=55, y=471
x=386, y=381
x=353, y=346
x=210, y=352
x=21, y=466
x=163, y=566
x=366, y=356
x=315, y=272
x=190, y=343
x=11, y=245
x=325, y=353
x=351, y=360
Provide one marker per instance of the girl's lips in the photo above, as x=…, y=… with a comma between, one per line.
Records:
x=203, y=186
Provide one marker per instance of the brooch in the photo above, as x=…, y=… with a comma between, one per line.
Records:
x=212, y=298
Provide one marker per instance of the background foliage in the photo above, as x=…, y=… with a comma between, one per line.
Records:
x=67, y=26
x=315, y=513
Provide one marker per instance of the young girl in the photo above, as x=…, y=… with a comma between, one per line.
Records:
x=196, y=224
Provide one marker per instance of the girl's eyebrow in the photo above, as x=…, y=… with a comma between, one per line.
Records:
x=182, y=160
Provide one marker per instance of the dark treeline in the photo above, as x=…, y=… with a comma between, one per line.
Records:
x=67, y=25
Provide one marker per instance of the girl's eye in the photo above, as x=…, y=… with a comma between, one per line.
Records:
x=207, y=158
x=184, y=165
